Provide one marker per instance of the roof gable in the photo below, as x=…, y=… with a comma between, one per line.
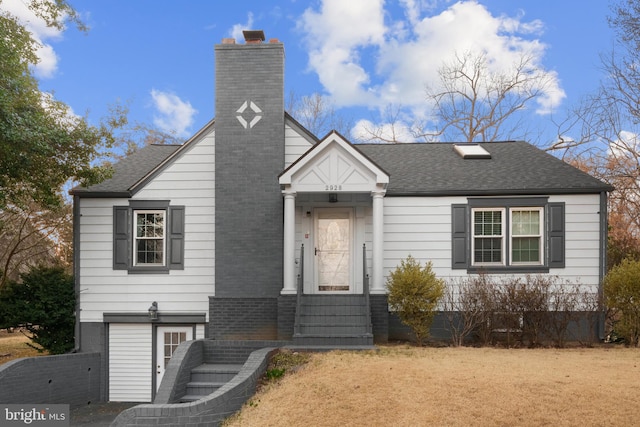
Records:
x=334, y=165
x=133, y=172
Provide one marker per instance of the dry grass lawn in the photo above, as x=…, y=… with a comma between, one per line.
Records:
x=14, y=346
x=408, y=386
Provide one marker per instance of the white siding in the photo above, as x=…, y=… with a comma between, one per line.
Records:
x=188, y=181
x=130, y=362
x=199, y=332
x=421, y=227
x=295, y=145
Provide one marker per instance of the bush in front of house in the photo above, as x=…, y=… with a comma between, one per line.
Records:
x=414, y=293
x=43, y=302
x=470, y=306
x=622, y=298
x=521, y=310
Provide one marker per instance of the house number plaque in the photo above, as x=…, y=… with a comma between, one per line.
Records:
x=333, y=187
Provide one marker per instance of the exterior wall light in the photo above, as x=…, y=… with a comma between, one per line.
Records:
x=333, y=197
x=153, y=311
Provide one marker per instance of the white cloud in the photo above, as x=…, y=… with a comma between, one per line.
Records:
x=396, y=132
x=334, y=36
x=48, y=60
x=627, y=143
x=364, y=56
x=175, y=116
x=236, y=30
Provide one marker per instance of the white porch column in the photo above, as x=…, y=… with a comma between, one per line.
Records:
x=289, y=255
x=377, y=280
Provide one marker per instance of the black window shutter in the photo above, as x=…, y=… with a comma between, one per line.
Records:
x=459, y=237
x=556, y=235
x=121, y=241
x=176, y=238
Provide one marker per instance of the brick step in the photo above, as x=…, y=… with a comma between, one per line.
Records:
x=207, y=378
x=333, y=299
x=203, y=388
x=333, y=310
x=214, y=373
x=190, y=398
x=306, y=328
x=336, y=319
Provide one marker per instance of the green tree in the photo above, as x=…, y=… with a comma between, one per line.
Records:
x=414, y=293
x=622, y=298
x=42, y=145
x=44, y=300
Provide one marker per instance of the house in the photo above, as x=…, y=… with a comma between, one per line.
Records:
x=255, y=229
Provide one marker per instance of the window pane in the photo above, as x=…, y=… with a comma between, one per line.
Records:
x=487, y=223
x=526, y=249
x=149, y=251
x=488, y=241
x=525, y=223
x=149, y=239
x=488, y=250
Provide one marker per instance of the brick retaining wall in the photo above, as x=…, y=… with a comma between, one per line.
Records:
x=72, y=379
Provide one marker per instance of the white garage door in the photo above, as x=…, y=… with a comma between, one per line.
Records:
x=130, y=362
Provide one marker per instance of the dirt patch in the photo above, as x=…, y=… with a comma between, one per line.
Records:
x=408, y=386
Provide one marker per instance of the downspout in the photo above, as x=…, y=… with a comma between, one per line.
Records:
x=76, y=269
x=604, y=242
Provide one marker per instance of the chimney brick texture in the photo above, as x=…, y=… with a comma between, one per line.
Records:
x=249, y=156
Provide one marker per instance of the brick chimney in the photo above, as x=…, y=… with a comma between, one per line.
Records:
x=249, y=153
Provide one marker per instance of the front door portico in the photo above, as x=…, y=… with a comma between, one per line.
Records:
x=333, y=168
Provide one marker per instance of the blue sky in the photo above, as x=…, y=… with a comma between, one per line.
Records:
x=157, y=56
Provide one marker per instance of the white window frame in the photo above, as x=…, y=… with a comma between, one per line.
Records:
x=135, y=239
x=502, y=237
x=540, y=235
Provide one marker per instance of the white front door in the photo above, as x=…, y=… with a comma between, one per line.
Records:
x=168, y=338
x=333, y=260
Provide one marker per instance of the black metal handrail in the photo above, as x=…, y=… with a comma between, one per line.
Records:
x=365, y=287
x=296, y=325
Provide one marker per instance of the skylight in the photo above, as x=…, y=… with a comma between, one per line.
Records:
x=471, y=151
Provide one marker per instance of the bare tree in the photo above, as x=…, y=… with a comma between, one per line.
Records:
x=605, y=131
x=392, y=130
x=473, y=102
x=31, y=236
x=140, y=135
x=476, y=104
x=317, y=114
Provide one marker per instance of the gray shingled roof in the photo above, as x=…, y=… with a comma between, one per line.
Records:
x=415, y=169
x=129, y=171
x=514, y=168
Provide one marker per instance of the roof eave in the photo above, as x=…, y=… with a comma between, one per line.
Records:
x=102, y=194
x=527, y=192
